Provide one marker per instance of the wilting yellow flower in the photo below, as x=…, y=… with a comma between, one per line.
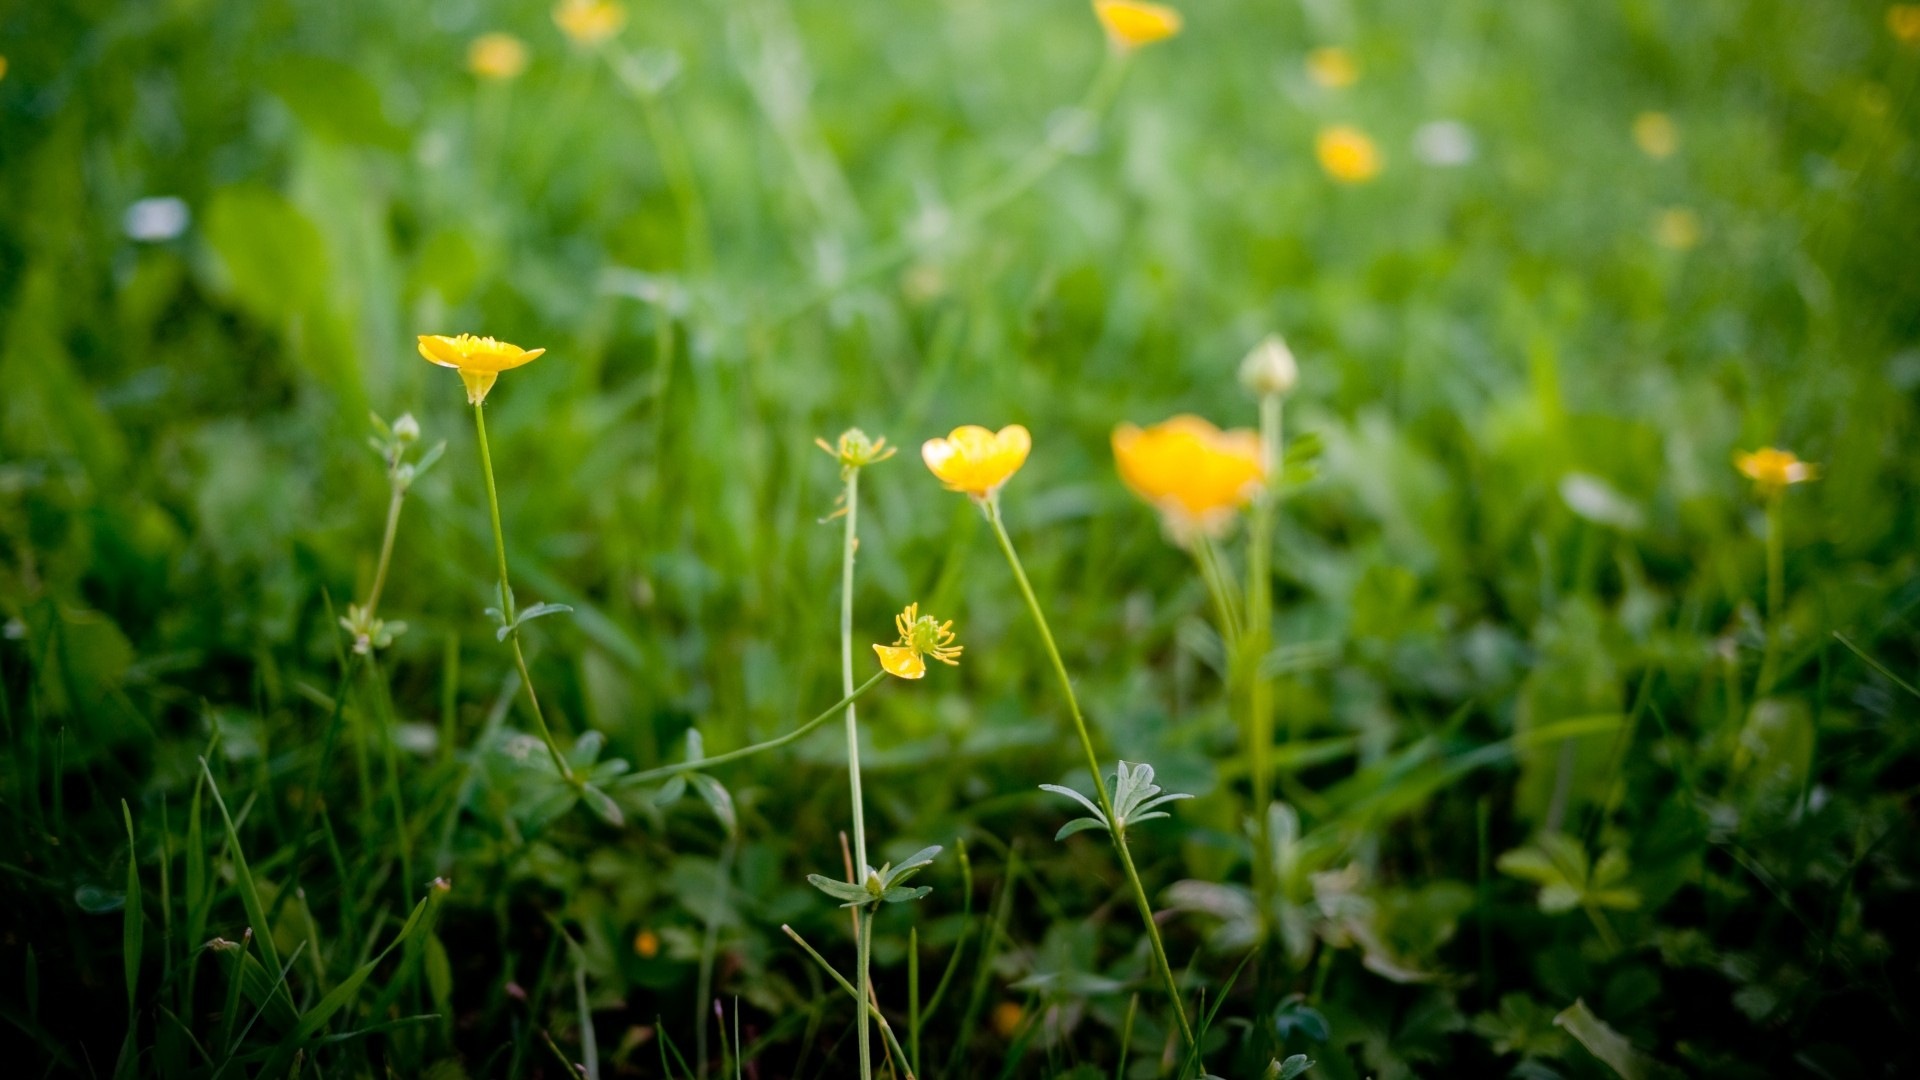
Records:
x=1677, y=228
x=1196, y=475
x=1332, y=67
x=1347, y=154
x=975, y=460
x=1772, y=470
x=1133, y=23
x=1904, y=21
x=646, y=944
x=921, y=636
x=479, y=360
x=589, y=22
x=497, y=56
x=1656, y=134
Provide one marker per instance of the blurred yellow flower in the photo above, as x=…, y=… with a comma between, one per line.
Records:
x=1772, y=470
x=589, y=22
x=646, y=944
x=1196, y=475
x=1007, y=1017
x=479, y=360
x=1656, y=134
x=975, y=460
x=3, y=67
x=1347, y=154
x=1904, y=21
x=921, y=636
x=1332, y=67
x=497, y=56
x=1677, y=229
x=1133, y=23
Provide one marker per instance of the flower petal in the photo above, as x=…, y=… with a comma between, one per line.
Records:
x=901, y=662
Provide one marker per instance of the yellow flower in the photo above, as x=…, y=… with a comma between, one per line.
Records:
x=1347, y=154
x=1677, y=229
x=3, y=67
x=1656, y=134
x=589, y=22
x=1772, y=470
x=921, y=636
x=646, y=944
x=479, y=360
x=497, y=56
x=1904, y=21
x=1007, y=1018
x=975, y=460
x=1196, y=475
x=1332, y=67
x=1133, y=23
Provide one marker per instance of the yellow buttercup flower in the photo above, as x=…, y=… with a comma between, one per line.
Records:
x=3, y=67
x=589, y=22
x=646, y=944
x=1133, y=23
x=1196, y=475
x=1347, y=154
x=975, y=460
x=1773, y=470
x=497, y=56
x=921, y=636
x=479, y=360
x=1656, y=134
x=1332, y=67
x=1904, y=21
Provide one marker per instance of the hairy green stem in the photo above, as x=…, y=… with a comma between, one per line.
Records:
x=506, y=596
x=1258, y=642
x=1117, y=832
x=833, y=710
x=848, y=550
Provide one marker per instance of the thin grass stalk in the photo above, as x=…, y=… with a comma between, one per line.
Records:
x=848, y=550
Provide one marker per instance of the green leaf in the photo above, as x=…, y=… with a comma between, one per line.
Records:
x=334, y=101
x=715, y=795
x=1605, y=1043
x=1292, y=1067
x=900, y=894
x=243, y=879
x=273, y=258
x=839, y=890
x=133, y=927
x=261, y=987
x=602, y=805
x=1078, y=825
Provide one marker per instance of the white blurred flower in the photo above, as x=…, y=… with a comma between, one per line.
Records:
x=1597, y=501
x=161, y=217
x=1445, y=143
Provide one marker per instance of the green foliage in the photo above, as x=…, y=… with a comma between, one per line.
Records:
x=1547, y=749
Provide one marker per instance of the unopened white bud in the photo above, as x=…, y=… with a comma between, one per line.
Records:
x=406, y=429
x=1269, y=368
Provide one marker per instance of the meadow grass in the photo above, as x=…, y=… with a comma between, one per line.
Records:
x=1529, y=730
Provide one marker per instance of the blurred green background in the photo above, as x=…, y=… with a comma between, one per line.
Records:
x=1607, y=246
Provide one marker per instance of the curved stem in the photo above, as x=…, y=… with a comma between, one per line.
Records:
x=1117, y=832
x=665, y=771
x=506, y=596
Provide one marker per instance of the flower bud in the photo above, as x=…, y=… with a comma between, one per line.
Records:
x=855, y=449
x=1269, y=368
x=406, y=429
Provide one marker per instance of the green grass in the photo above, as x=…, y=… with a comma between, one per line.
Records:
x=1536, y=815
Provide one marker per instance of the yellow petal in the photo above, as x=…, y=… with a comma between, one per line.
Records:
x=901, y=662
x=441, y=350
x=1132, y=23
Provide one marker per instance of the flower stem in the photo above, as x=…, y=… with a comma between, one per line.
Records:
x=506, y=596
x=1258, y=642
x=833, y=710
x=386, y=549
x=1117, y=832
x=862, y=937
x=1776, y=589
x=1208, y=560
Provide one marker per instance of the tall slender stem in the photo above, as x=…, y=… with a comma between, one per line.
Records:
x=1258, y=642
x=1117, y=832
x=863, y=925
x=833, y=710
x=1776, y=589
x=386, y=548
x=506, y=595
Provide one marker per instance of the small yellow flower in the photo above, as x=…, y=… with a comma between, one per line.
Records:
x=921, y=636
x=1007, y=1017
x=975, y=460
x=589, y=22
x=479, y=360
x=646, y=944
x=1347, y=154
x=1677, y=229
x=1904, y=21
x=1656, y=134
x=1332, y=67
x=1196, y=475
x=1133, y=23
x=497, y=56
x=1772, y=470
x=3, y=67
